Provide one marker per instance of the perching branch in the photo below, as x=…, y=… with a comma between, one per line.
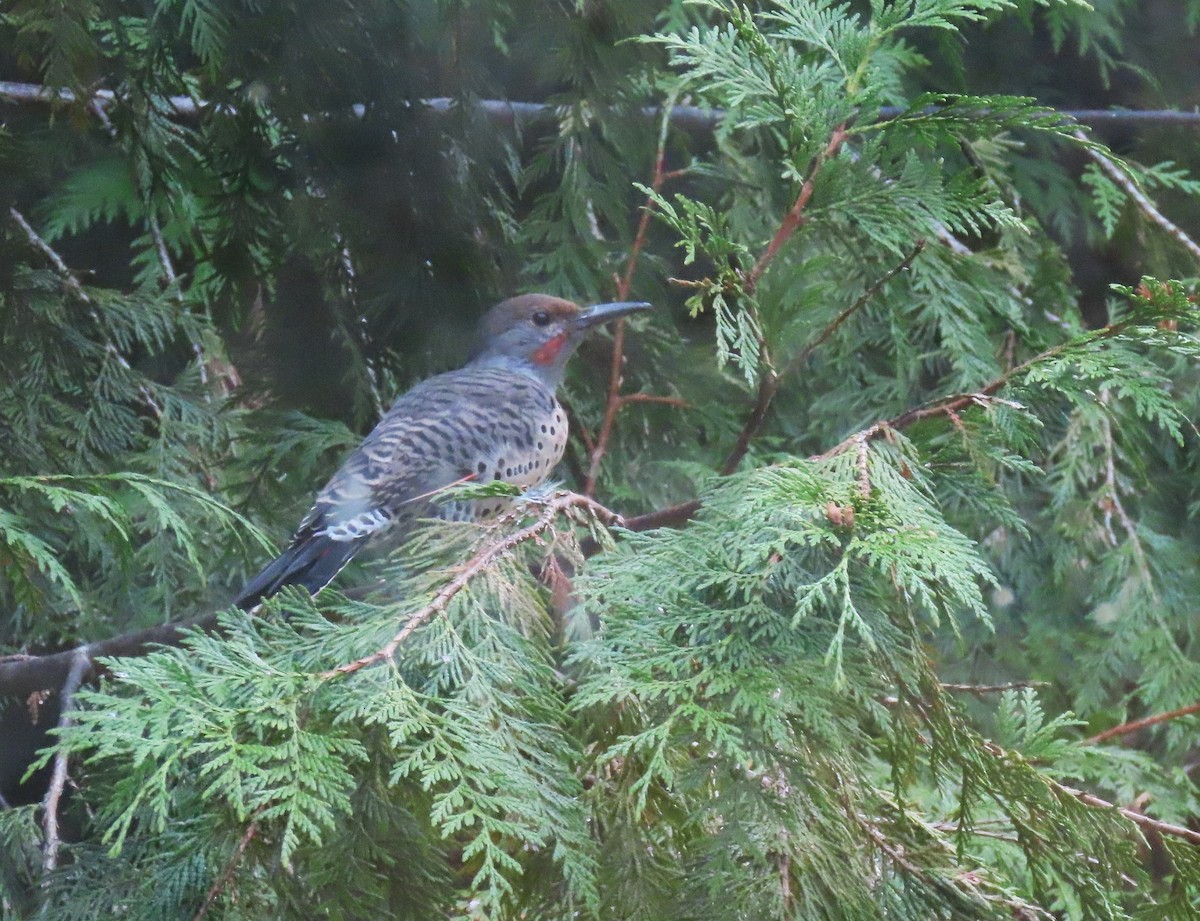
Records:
x=481, y=561
x=21, y=676
x=80, y=664
x=25, y=675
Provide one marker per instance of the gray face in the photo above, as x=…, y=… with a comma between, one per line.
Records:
x=536, y=334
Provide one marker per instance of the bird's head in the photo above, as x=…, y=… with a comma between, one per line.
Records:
x=536, y=333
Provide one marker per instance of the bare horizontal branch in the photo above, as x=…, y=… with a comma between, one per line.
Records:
x=685, y=118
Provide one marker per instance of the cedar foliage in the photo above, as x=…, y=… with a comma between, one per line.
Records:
x=967, y=473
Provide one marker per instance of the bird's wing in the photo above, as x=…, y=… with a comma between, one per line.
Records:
x=448, y=427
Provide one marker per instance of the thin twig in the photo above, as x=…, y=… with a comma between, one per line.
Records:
x=768, y=387
x=863, y=299
x=614, y=402
x=993, y=688
x=222, y=881
x=481, y=561
x=75, y=287
x=171, y=280
x=677, y=402
x=1135, y=725
x=70, y=282
x=769, y=381
x=1147, y=207
x=1089, y=799
x=1138, y=818
x=1113, y=496
x=795, y=217
x=984, y=396
x=58, y=776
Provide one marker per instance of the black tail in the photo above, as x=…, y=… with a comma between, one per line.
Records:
x=311, y=561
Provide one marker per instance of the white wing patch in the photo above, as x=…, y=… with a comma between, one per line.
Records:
x=358, y=527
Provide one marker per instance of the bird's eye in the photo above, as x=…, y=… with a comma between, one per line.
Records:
x=541, y=318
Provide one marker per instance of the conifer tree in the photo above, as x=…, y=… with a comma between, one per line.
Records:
x=868, y=590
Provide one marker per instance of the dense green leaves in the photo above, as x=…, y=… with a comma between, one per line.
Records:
x=958, y=536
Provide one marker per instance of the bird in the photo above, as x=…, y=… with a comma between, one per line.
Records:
x=496, y=418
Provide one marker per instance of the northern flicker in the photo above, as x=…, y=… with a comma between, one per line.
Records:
x=497, y=418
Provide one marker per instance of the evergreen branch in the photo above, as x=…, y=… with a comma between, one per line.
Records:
x=1147, y=207
x=1135, y=725
x=962, y=886
x=223, y=880
x=80, y=665
x=949, y=406
x=769, y=385
x=480, y=562
x=795, y=217
x=1090, y=799
x=1114, y=504
x=615, y=401
x=72, y=283
x=682, y=512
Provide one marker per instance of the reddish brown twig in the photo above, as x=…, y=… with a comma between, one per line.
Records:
x=678, y=402
x=768, y=387
x=795, y=217
x=1088, y=799
x=1135, y=725
x=223, y=880
x=615, y=401
x=1140, y=819
x=950, y=405
x=473, y=567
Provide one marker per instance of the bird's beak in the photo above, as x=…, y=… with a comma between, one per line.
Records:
x=597, y=314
